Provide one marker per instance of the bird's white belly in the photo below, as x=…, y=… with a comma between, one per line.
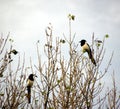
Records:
x=85, y=47
x=29, y=83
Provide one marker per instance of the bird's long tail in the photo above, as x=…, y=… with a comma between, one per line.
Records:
x=92, y=58
x=29, y=94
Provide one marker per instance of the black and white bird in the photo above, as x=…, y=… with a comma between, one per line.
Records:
x=30, y=82
x=86, y=48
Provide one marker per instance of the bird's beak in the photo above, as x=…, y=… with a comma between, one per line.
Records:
x=35, y=75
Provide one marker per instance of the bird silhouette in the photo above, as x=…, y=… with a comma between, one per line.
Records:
x=86, y=48
x=30, y=81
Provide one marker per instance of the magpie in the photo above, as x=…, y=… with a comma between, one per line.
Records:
x=30, y=81
x=86, y=48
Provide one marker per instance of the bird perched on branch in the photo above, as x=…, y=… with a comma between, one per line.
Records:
x=86, y=48
x=30, y=81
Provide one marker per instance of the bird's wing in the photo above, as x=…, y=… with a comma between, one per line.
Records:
x=88, y=50
x=29, y=85
x=91, y=55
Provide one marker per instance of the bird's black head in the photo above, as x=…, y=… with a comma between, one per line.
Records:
x=31, y=76
x=82, y=42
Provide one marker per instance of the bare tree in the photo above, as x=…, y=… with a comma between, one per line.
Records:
x=73, y=82
x=12, y=89
x=65, y=81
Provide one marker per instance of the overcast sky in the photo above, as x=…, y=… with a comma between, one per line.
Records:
x=26, y=21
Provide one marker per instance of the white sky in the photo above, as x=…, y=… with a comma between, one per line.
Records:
x=26, y=20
